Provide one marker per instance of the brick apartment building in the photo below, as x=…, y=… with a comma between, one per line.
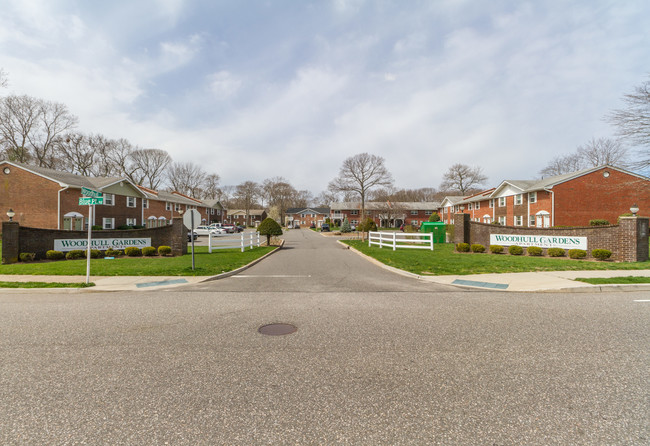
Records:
x=46, y=198
x=306, y=216
x=238, y=217
x=385, y=214
x=603, y=192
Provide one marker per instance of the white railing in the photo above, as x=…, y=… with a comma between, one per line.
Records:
x=243, y=241
x=394, y=239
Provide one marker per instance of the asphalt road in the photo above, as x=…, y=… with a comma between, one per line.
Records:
x=378, y=358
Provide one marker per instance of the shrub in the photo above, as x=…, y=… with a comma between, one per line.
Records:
x=577, y=253
x=148, y=251
x=515, y=250
x=555, y=252
x=476, y=247
x=345, y=226
x=27, y=256
x=409, y=228
x=132, y=251
x=434, y=217
x=534, y=251
x=462, y=247
x=268, y=228
x=450, y=231
x=598, y=222
x=164, y=250
x=75, y=254
x=96, y=227
x=601, y=254
x=496, y=249
x=110, y=252
x=54, y=255
x=368, y=225
x=95, y=253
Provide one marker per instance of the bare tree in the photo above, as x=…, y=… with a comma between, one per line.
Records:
x=225, y=195
x=463, y=178
x=54, y=119
x=360, y=174
x=18, y=119
x=4, y=81
x=633, y=122
x=278, y=193
x=75, y=153
x=325, y=198
x=246, y=193
x=148, y=167
x=210, y=186
x=187, y=178
x=563, y=164
x=601, y=151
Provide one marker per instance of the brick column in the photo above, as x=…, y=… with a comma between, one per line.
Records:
x=10, y=241
x=461, y=228
x=633, y=239
x=179, y=237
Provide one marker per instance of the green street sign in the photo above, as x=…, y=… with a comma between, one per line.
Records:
x=87, y=201
x=91, y=193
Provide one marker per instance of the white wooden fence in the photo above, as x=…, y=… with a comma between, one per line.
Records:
x=243, y=240
x=394, y=239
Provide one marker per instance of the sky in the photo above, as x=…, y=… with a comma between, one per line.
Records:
x=257, y=89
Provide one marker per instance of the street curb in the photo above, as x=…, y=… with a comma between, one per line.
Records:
x=243, y=268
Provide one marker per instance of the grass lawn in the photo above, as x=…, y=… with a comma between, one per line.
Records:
x=614, y=280
x=444, y=261
x=44, y=285
x=206, y=264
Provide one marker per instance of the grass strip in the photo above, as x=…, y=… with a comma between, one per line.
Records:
x=444, y=260
x=614, y=280
x=45, y=285
x=206, y=264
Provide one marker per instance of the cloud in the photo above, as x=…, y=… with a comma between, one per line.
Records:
x=223, y=84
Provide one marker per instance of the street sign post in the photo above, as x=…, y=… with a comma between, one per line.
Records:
x=191, y=220
x=89, y=201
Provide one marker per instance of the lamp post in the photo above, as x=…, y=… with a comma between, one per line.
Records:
x=634, y=209
x=10, y=214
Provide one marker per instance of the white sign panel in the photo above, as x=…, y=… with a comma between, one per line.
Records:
x=102, y=244
x=543, y=241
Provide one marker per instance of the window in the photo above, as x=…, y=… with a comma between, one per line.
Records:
x=518, y=199
x=519, y=220
x=414, y=212
x=469, y=206
x=168, y=206
x=532, y=197
x=414, y=222
x=502, y=220
x=177, y=207
x=131, y=221
x=355, y=212
x=492, y=202
x=531, y=222
x=108, y=223
x=212, y=211
x=109, y=200
x=130, y=202
x=145, y=203
x=428, y=212
x=354, y=222
x=478, y=205
x=502, y=201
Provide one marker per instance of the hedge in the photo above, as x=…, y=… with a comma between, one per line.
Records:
x=577, y=253
x=601, y=254
x=476, y=247
x=516, y=250
x=534, y=251
x=496, y=249
x=462, y=247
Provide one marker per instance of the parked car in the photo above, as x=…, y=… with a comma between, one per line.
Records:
x=189, y=237
x=325, y=228
x=230, y=228
x=239, y=228
x=203, y=230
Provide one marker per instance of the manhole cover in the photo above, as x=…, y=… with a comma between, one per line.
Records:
x=277, y=329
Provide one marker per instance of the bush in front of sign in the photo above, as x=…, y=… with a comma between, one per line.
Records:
x=27, y=256
x=534, y=251
x=110, y=252
x=462, y=247
x=555, y=252
x=164, y=250
x=478, y=248
x=601, y=254
x=132, y=251
x=515, y=250
x=148, y=251
x=54, y=255
x=577, y=253
x=496, y=249
x=95, y=253
x=75, y=254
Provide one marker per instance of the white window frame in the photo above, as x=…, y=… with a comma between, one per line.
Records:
x=477, y=205
x=414, y=222
x=518, y=220
x=131, y=202
x=168, y=206
x=428, y=212
x=177, y=207
x=502, y=202
x=531, y=221
x=414, y=212
x=532, y=197
x=109, y=199
x=502, y=220
x=469, y=206
x=110, y=221
x=491, y=202
x=354, y=212
x=131, y=221
x=145, y=203
x=519, y=199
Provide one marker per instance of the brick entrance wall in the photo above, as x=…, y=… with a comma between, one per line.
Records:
x=628, y=240
x=17, y=239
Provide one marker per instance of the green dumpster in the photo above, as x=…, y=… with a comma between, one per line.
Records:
x=437, y=228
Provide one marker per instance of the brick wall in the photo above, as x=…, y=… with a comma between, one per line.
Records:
x=628, y=241
x=17, y=239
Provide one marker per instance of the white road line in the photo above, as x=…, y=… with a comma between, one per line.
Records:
x=245, y=276
x=642, y=300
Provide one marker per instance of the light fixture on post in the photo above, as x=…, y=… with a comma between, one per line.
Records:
x=10, y=214
x=634, y=209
